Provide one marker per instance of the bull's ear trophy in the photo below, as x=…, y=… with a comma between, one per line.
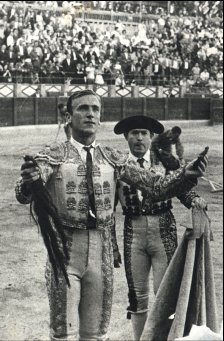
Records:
x=50, y=226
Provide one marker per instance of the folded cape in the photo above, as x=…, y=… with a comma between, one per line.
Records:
x=186, y=296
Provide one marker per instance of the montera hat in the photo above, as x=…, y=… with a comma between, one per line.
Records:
x=138, y=122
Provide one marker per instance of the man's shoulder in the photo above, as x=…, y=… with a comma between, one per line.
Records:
x=54, y=153
x=161, y=137
x=115, y=155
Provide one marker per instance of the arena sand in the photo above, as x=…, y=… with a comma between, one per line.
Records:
x=24, y=312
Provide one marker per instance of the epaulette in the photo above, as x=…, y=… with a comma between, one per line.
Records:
x=114, y=156
x=54, y=154
x=159, y=169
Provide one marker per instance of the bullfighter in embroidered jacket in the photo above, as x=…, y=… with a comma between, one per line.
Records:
x=80, y=177
x=150, y=236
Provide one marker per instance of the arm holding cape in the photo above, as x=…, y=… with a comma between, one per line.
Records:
x=46, y=213
x=154, y=186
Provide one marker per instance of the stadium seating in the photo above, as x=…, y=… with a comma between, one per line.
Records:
x=68, y=42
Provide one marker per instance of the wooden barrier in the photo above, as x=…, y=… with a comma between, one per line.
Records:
x=10, y=90
x=216, y=111
x=31, y=110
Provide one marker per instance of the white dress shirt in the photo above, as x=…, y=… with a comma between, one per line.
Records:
x=80, y=147
x=146, y=157
x=146, y=165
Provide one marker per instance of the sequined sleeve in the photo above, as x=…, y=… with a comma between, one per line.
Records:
x=156, y=187
x=187, y=198
x=45, y=167
x=22, y=193
x=114, y=236
x=113, y=227
x=48, y=158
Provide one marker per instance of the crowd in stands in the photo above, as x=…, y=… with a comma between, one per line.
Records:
x=55, y=47
x=187, y=8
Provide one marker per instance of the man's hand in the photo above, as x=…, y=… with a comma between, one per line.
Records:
x=190, y=172
x=199, y=203
x=182, y=162
x=29, y=172
x=117, y=259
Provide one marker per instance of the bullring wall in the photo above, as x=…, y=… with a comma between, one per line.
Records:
x=31, y=110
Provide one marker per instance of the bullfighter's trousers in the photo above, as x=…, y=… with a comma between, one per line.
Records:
x=149, y=242
x=83, y=311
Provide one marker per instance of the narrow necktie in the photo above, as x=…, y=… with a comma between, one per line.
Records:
x=141, y=162
x=89, y=170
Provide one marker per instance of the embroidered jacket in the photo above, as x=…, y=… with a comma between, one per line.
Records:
x=64, y=174
x=154, y=186
x=131, y=204
x=129, y=198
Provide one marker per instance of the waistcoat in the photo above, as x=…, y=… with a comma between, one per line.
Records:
x=68, y=185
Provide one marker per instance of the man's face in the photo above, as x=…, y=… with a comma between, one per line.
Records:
x=139, y=141
x=86, y=115
x=173, y=137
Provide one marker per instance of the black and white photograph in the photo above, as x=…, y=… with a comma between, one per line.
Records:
x=111, y=170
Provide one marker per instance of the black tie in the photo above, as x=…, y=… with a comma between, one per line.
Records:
x=89, y=170
x=141, y=162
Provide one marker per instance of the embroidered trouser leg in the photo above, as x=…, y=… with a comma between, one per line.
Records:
x=82, y=312
x=149, y=242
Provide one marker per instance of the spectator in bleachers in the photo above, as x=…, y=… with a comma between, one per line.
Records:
x=90, y=73
x=10, y=39
x=190, y=82
x=2, y=32
x=1, y=73
x=183, y=82
x=80, y=75
x=11, y=55
x=204, y=76
x=161, y=23
x=176, y=65
x=219, y=78
x=35, y=78
x=110, y=73
x=119, y=79
x=212, y=83
x=111, y=53
x=19, y=72
x=214, y=69
x=142, y=31
x=6, y=76
x=128, y=8
x=99, y=80
x=3, y=55
x=68, y=65
x=186, y=67
x=196, y=71
x=57, y=73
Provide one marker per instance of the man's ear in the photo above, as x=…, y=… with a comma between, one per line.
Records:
x=68, y=117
